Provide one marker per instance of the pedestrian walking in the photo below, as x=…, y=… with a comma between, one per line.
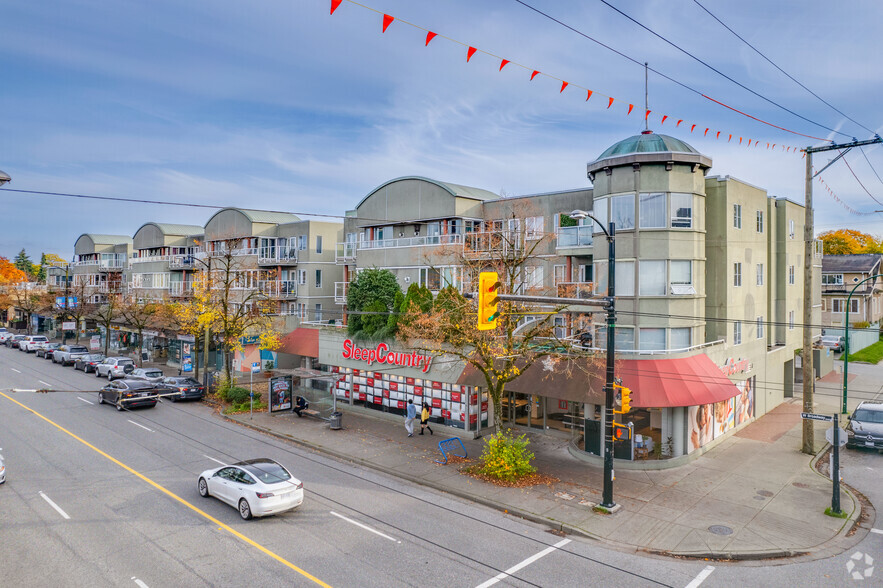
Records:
x=410, y=415
x=424, y=419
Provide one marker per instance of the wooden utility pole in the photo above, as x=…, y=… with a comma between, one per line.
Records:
x=808, y=238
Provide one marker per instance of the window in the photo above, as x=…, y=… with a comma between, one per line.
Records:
x=853, y=305
x=302, y=242
x=760, y=327
x=737, y=333
x=622, y=211
x=533, y=278
x=652, y=211
x=533, y=227
x=681, y=338
x=759, y=221
x=737, y=216
x=791, y=275
x=318, y=243
x=681, y=278
x=318, y=278
x=681, y=211
x=652, y=338
x=599, y=211
x=558, y=274
x=652, y=279
x=302, y=277
x=760, y=274
x=737, y=274
x=837, y=304
x=624, y=337
x=790, y=320
x=625, y=279
x=832, y=279
x=790, y=229
x=318, y=312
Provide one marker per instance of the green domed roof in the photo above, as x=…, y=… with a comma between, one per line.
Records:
x=647, y=143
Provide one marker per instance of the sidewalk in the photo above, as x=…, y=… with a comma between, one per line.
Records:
x=753, y=496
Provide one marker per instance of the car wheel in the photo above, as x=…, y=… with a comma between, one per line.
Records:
x=119, y=406
x=203, y=488
x=244, y=509
x=100, y=398
x=109, y=376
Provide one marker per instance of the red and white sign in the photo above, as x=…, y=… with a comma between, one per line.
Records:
x=382, y=354
x=735, y=366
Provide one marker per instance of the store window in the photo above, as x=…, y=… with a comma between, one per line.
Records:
x=622, y=211
x=652, y=279
x=652, y=211
x=681, y=211
x=624, y=337
x=681, y=338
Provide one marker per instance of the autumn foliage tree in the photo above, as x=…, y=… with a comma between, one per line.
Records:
x=849, y=242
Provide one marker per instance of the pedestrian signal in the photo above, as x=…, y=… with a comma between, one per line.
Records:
x=488, y=284
x=621, y=432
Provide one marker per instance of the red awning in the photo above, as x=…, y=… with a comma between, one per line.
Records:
x=662, y=383
x=301, y=341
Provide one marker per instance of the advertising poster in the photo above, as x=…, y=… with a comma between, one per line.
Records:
x=701, y=426
x=724, y=416
x=187, y=364
x=745, y=401
x=95, y=342
x=280, y=393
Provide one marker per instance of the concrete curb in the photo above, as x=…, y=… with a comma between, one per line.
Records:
x=827, y=546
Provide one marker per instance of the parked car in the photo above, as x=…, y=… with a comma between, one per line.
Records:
x=32, y=343
x=114, y=367
x=187, y=387
x=126, y=394
x=865, y=427
x=66, y=354
x=14, y=340
x=834, y=342
x=45, y=350
x=4, y=335
x=149, y=374
x=2, y=468
x=257, y=487
x=87, y=363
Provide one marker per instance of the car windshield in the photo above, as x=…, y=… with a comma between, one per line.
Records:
x=268, y=472
x=868, y=416
x=125, y=361
x=184, y=381
x=830, y=339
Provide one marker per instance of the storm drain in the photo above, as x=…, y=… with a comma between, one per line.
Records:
x=720, y=530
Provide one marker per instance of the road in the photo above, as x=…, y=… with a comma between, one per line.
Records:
x=98, y=497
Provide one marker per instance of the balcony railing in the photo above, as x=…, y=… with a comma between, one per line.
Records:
x=111, y=265
x=346, y=252
x=181, y=288
x=428, y=240
x=493, y=242
x=222, y=252
x=575, y=289
x=84, y=262
x=182, y=262
x=340, y=291
x=108, y=287
x=150, y=258
x=278, y=257
x=278, y=288
x=580, y=236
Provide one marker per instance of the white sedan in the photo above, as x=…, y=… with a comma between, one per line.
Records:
x=257, y=487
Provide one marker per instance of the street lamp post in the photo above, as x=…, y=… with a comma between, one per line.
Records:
x=607, y=496
x=846, y=337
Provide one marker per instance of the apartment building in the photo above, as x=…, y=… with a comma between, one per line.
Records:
x=98, y=265
x=163, y=260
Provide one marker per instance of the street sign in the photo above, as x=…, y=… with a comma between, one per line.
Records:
x=816, y=417
x=255, y=367
x=69, y=325
x=829, y=436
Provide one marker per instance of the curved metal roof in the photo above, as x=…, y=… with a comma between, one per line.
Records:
x=107, y=239
x=260, y=216
x=647, y=143
x=173, y=229
x=454, y=189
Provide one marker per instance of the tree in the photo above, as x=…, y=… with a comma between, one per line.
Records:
x=105, y=314
x=29, y=298
x=141, y=315
x=191, y=316
x=48, y=260
x=79, y=310
x=10, y=274
x=23, y=262
x=849, y=242
x=376, y=288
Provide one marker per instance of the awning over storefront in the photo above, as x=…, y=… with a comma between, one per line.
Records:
x=301, y=341
x=687, y=381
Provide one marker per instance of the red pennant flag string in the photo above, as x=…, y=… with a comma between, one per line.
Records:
x=631, y=106
x=588, y=95
x=429, y=37
x=768, y=145
x=749, y=142
x=334, y=5
x=730, y=139
x=503, y=64
x=718, y=136
x=663, y=119
x=774, y=145
x=387, y=20
x=647, y=114
x=740, y=140
x=756, y=142
x=692, y=128
x=534, y=74
x=706, y=132
x=563, y=85
x=470, y=53
x=609, y=102
x=679, y=122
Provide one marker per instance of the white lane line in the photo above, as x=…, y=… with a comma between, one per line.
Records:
x=142, y=426
x=701, y=577
x=45, y=383
x=213, y=459
x=879, y=531
x=15, y=370
x=140, y=583
x=53, y=505
x=366, y=527
x=524, y=564
x=86, y=401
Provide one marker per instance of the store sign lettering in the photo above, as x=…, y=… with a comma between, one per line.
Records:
x=735, y=366
x=382, y=354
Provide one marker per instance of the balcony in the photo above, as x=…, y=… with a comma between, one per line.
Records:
x=110, y=287
x=346, y=252
x=278, y=257
x=150, y=259
x=111, y=265
x=493, y=243
x=222, y=252
x=569, y=237
x=181, y=289
x=429, y=240
x=340, y=291
x=182, y=262
x=581, y=290
x=84, y=262
x=282, y=289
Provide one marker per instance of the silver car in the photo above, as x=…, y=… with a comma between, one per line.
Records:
x=114, y=367
x=2, y=468
x=257, y=487
x=149, y=374
x=865, y=428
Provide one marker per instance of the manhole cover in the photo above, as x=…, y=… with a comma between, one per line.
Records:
x=720, y=530
x=800, y=485
x=766, y=493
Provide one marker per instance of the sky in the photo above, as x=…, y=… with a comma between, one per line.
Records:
x=280, y=105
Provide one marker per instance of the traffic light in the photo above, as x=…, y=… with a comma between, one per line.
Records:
x=624, y=398
x=488, y=283
x=621, y=432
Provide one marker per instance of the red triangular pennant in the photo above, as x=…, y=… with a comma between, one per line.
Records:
x=680, y=120
x=503, y=64
x=662, y=122
x=563, y=85
x=631, y=106
x=609, y=102
x=387, y=20
x=706, y=132
x=692, y=128
x=749, y=142
x=730, y=139
x=588, y=95
x=334, y=5
x=718, y=135
x=740, y=140
x=429, y=37
x=469, y=53
x=647, y=114
x=534, y=74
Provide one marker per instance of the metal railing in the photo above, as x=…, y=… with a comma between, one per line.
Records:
x=149, y=258
x=654, y=351
x=278, y=288
x=182, y=262
x=340, y=291
x=580, y=236
x=493, y=242
x=428, y=240
x=345, y=252
x=278, y=258
x=181, y=288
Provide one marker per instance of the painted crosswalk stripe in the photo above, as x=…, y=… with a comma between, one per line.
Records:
x=878, y=531
x=44, y=383
x=213, y=459
x=524, y=564
x=140, y=583
x=53, y=505
x=701, y=577
x=15, y=370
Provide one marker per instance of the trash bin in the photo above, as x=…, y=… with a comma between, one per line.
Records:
x=334, y=420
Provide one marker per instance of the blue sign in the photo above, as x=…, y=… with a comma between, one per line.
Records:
x=255, y=367
x=186, y=364
x=71, y=301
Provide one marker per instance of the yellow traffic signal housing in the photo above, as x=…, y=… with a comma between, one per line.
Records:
x=625, y=398
x=488, y=284
x=621, y=432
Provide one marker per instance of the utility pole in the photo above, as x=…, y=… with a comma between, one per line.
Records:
x=808, y=237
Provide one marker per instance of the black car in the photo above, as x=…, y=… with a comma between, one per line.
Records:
x=865, y=428
x=87, y=362
x=187, y=387
x=12, y=342
x=126, y=394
